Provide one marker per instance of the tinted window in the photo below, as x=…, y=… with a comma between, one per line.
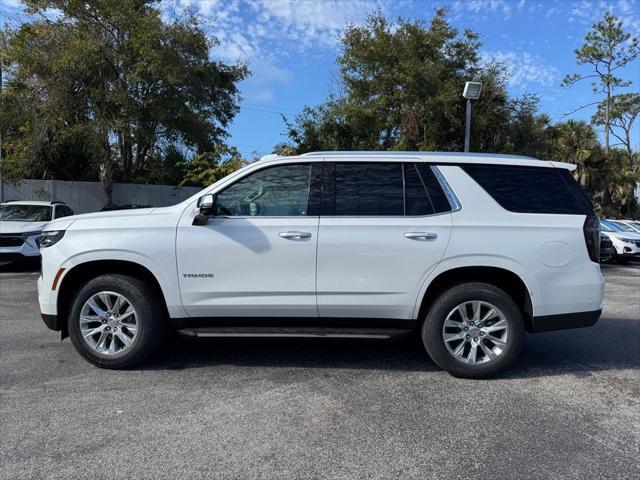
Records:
x=577, y=191
x=62, y=211
x=528, y=189
x=416, y=199
x=281, y=191
x=437, y=196
x=369, y=189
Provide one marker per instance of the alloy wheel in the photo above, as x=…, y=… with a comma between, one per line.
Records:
x=475, y=332
x=108, y=323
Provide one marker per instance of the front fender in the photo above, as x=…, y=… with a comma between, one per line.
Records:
x=163, y=269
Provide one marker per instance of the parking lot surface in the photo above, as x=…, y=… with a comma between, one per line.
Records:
x=569, y=408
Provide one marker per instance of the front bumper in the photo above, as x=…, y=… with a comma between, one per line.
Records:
x=16, y=257
x=51, y=321
x=564, y=321
x=25, y=251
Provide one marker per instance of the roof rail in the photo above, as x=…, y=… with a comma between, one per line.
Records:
x=393, y=153
x=271, y=156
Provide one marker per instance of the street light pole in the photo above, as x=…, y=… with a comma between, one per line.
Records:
x=471, y=92
x=467, y=126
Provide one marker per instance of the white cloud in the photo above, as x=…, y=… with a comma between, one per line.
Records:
x=485, y=9
x=587, y=12
x=247, y=28
x=524, y=69
x=311, y=22
x=264, y=34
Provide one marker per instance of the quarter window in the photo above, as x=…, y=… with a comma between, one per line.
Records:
x=531, y=189
x=281, y=191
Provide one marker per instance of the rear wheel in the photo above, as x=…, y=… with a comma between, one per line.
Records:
x=116, y=321
x=473, y=330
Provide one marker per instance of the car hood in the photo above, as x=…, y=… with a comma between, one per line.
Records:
x=20, y=227
x=623, y=235
x=65, y=222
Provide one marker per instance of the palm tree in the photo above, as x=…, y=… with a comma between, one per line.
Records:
x=575, y=142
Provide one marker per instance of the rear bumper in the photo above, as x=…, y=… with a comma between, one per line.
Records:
x=563, y=321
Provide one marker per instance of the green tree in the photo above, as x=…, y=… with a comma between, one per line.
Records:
x=576, y=142
x=131, y=79
x=623, y=113
x=209, y=167
x=612, y=181
x=607, y=48
x=401, y=87
x=527, y=131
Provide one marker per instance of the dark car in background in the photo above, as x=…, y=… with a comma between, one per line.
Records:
x=606, y=248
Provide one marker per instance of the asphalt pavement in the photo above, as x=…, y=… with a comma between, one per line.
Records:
x=244, y=409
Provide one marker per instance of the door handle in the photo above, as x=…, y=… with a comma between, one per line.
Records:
x=295, y=235
x=421, y=235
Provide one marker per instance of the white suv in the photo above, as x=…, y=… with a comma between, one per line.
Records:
x=468, y=251
x=21, y=222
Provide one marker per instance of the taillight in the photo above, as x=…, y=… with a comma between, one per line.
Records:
x=591, y=231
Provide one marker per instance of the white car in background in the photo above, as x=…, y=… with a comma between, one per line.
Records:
x=21, y=222
x=632, y=226
x=626, y=244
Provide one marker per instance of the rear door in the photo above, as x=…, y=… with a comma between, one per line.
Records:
x=384, y=226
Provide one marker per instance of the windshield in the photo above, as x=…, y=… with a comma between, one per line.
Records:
x=609, y=227
x=624, y=227
x=25, y=213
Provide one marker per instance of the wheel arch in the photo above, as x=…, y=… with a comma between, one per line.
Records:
x=83, y=272
x=500, y=277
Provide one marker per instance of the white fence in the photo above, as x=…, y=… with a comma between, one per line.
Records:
x=85, y=197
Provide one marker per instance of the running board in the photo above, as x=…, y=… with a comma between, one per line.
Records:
x=295, y=332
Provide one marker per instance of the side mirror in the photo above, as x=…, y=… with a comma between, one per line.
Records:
x=207, y=207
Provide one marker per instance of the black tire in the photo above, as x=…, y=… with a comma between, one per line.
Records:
x=151, y=322
x=432, y=328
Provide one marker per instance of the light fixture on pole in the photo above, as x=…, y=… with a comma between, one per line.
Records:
x=471, y=92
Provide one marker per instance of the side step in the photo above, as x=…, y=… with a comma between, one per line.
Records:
x=294, y=332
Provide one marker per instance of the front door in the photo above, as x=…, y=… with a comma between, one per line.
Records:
x=257, y=257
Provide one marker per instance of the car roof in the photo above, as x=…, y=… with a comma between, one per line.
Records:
x=32, y=202
x=439, y=157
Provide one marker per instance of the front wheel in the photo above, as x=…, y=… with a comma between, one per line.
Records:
x=116, y=321
x=473, y=330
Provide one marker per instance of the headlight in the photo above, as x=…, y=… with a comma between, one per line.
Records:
x=627, y=240
x=46, y=239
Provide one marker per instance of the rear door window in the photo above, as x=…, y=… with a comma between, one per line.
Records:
x=417, y=201
x=369, y=189
x=360, y=189
x=531, y=189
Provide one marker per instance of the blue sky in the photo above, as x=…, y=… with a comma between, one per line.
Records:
x=291, y=46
